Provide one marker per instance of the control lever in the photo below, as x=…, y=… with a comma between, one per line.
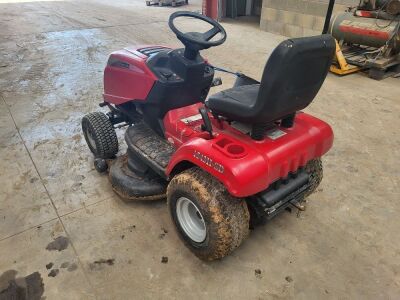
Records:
x=206, y=126
x=216, y=81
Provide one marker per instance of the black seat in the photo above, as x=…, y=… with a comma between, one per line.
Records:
x=292, y=77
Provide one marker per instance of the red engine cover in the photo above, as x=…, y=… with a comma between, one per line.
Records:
x=127, y=77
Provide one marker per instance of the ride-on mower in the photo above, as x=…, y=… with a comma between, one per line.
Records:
x=224, y=163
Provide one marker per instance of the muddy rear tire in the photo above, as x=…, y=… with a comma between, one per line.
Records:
x=225, y=218
x=100, y=135
x=315, y=170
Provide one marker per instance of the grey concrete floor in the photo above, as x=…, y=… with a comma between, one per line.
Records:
x=52, y=55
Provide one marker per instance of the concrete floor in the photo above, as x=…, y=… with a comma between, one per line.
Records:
x=52, y=54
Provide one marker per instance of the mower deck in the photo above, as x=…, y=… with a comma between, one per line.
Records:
x=131, y=185
x=140, y=174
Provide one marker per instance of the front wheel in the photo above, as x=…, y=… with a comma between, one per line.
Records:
x=208, y=219
x=100, y=135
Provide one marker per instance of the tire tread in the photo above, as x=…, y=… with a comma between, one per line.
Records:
x=229, y=225
x=104, y=135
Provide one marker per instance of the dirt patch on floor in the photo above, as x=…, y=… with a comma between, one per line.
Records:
x=53, y=273
x=30, y=287
x=98, y=264
x=58, y=244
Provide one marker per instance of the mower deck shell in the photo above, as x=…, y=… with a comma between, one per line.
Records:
x=245, y=166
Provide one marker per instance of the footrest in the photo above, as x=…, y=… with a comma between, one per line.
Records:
x=150, y=147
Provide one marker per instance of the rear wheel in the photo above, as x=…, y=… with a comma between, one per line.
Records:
x=315, y=170
x=100, y=135
x=208, y=219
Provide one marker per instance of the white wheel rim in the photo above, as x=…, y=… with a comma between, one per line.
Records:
x=191, y=220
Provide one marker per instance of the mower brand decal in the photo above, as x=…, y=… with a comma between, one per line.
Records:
x=275, y=134
x=191, y=119
x=208, y=161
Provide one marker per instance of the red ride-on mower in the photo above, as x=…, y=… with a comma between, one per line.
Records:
x=225, y=163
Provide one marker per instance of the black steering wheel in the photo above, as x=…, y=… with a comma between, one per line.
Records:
x=196, y=41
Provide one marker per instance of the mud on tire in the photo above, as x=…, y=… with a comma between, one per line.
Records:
x=226, y=218
x=315, y=170
x=100, y=135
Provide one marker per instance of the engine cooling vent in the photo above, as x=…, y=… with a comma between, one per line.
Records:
x=149, y=51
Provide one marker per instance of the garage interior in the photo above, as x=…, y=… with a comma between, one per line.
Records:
x=60, y=218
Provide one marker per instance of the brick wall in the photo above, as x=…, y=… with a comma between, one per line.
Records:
x=295, y=18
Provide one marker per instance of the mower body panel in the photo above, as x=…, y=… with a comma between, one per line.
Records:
x=127, y=76
x=245, y=166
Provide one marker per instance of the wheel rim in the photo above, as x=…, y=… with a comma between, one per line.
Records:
x=191, y=220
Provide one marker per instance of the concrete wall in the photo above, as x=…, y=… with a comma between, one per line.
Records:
x=296, y=18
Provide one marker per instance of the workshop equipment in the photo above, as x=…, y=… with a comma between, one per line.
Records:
x=369, y=38
x=167, y=2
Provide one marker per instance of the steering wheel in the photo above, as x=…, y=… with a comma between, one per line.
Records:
x=197, y=41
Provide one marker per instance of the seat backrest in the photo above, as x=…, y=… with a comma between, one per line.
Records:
x=293, y=76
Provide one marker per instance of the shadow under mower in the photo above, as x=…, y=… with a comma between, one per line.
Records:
x=226, y=163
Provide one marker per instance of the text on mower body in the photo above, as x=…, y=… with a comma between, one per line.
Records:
x=208, y=161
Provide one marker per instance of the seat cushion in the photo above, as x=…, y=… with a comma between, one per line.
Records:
x=234, y=103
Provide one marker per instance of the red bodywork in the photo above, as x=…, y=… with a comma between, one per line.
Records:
x=243, y=165
x=123, y=84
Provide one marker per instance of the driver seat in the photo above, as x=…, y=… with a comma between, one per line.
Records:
x=291, y=79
